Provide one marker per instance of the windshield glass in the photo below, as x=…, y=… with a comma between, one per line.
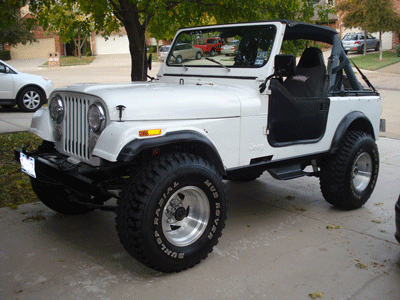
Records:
x=350, y=37
x=193, y=47
x=165, y=48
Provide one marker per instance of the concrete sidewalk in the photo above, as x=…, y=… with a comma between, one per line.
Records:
x=276, y=245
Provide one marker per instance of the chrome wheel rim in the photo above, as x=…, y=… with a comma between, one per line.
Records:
x=31, y=100
x=185, y=216
x=362, y=172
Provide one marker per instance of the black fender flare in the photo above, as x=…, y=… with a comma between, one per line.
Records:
x=355, y=120
x=208, y=150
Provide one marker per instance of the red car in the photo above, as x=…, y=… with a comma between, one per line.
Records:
x=211, y=46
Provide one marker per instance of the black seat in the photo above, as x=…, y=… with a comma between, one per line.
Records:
x=310, y=78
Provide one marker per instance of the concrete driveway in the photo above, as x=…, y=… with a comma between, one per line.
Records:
x=276, y=245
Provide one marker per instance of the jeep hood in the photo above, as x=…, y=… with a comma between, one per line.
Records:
x=162, y=101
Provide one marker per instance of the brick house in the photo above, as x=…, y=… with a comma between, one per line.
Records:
x=46, y=42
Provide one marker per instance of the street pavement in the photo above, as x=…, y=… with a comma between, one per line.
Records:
x=276, y=244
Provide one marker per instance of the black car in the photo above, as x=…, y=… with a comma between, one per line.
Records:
x=397, y=208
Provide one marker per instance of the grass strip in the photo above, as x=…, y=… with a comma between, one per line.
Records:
x=73, y=61
x=15, y=187
x=371, y=60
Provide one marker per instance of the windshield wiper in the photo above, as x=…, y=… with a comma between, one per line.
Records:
x=181, y=64
x=218, y=63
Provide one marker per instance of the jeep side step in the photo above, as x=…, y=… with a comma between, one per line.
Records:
x=287, y=172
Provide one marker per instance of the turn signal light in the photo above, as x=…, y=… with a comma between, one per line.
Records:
x=150, y=132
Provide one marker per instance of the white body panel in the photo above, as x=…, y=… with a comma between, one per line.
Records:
x=225, y=106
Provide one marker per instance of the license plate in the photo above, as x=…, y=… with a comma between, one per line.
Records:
x=27, y=165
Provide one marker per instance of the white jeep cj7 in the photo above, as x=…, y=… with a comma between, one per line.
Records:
x=163, y=148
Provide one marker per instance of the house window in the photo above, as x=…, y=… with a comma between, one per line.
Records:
x=331, y=2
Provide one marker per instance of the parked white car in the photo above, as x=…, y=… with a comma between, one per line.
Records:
x=27, y=91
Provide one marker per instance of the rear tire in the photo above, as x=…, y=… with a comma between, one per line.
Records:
x=172, y=212
x=349, y=177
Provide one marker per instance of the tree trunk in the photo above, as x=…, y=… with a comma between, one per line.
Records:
x=380, y=46
x=365, y=42
x=137, y=49
x=78, y=45
x=128, y=14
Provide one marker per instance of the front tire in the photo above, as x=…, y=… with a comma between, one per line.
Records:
x=30, y=99
x=172, y=213
x=349, y=177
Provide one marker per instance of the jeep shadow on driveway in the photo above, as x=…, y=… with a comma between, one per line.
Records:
x=164, y=147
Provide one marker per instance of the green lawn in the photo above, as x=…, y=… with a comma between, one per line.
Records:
x=371, y=60
x=73, y=61
x=15, y=186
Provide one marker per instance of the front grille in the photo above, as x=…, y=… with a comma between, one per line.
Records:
x=76, y=129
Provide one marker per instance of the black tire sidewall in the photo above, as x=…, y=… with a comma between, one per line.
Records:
x=169, y=255
x=365, y=145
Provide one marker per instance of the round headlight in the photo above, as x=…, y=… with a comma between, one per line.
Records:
x=96, y=117
x=56, y=108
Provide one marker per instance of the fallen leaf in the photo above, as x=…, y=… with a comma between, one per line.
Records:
x=316, y=295
x=330, y=226
x=35, y=218
x=361, y=266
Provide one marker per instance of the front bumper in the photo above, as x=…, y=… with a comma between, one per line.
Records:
x=397, y=209
x=81, y=179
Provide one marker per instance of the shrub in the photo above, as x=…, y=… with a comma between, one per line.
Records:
x=398, y=50
x=5, y=55
x=151, y=49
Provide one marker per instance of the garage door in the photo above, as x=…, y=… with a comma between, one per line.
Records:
x=38, y=49
x=114, y=45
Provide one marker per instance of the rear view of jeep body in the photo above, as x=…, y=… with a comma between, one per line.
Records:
x=163, y=148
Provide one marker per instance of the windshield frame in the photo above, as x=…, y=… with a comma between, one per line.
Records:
x=263, y=33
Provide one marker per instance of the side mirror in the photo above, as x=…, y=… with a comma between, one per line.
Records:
x=285, y=65
x=149, y=61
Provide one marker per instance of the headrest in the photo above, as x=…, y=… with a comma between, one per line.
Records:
x=311, y=57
